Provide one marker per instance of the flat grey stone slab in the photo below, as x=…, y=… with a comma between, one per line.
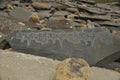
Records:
x=20, y=13
x=94, y=18
x=92, y=44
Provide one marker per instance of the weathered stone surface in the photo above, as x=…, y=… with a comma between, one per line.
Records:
x=44, y=14
x=92, y=9
x=38, y=5
x=9, y=25
x=103, y=74
x=95, y=17
x=20, y=13
x=19, y=66
x=73, y=69
x=59, y=24
x=92, y=44
x=110, y=23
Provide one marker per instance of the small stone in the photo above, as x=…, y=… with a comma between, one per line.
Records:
x=73, y=69
x=38, y=5
x=73, y=10
x=9, y=6
x=34, y=18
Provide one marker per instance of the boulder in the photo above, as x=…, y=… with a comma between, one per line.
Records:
x=73, y=69
x=19, y=66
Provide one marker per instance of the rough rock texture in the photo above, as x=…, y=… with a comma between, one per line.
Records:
x=73, y=69
x=18, y=66
x=103, y=74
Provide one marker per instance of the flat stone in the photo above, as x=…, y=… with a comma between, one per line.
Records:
x=103, y=6
x=95, y=17
x=19, y=66
x=110, y=23
x=3, y=4
x=59, y=24
x=64, y=13
x=92, y=9
x=41, y=6
x=93, y=45
x=44, y=14
x=20, y=13
x=88, y=1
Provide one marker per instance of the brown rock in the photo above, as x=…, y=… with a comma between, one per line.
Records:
x=73, y=10
x=73, y=69
x=38, y=5
x=34, y=18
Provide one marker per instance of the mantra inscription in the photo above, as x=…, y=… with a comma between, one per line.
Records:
x=74, y=37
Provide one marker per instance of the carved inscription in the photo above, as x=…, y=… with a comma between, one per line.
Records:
x=74, y=37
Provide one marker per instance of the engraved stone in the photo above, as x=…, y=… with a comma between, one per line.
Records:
x=92, y=44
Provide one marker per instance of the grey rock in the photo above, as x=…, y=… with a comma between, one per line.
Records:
x=20, y=13
x=103, y=6
x=87, y=1
x=92, y=9
x=3, y=41
x=41, y=6
x=93, y=44
x=110, y=23
x=44, y=14
x=94, y=18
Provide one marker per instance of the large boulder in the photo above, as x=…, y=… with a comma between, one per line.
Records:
x=19, y=66
x=91, y=44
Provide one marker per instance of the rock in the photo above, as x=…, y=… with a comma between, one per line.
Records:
x=73, y=69
x=97, y=43
x=73, y=10
x=3, y=41
x=92, y=9
x=88, y=1
x=3, y=13
x=58, y=6
x=25, y=1
x=34, y=18
x=63, y=13
x=94, y=18
x=103, y=74
x=41, y=6
x=110, y=23
x=10, y=24
x=19, y=66
x=20, y=13
x=59, y=24
x=44, y=14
